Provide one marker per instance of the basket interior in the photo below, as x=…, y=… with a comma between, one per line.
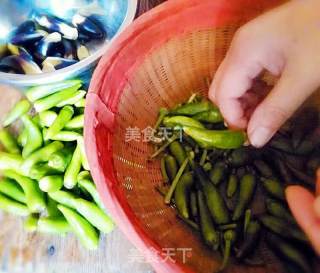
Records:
x=169, y=75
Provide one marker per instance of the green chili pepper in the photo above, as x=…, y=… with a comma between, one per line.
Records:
x=23, y=138
x=181, y=194
x=51, y=101
x=247, y=220
x=208, y=231
x=84, y=159
x=47, y=118
x=192, y=109
x=177, y=150
x=189, y=222
x=62, y=119
x=193, y=204
x=207, y=166
x=96, y=216
x=41, y=155
x=20, y=109
x=163, y=112
x=72, y=171
x=40, y=170
x=41, y=91
x=227, y=227
x=171, y=167
x=13, y=190
x=247, y=189
x=85, y=181
x=34, y=136
x=282, y=144
x=209, y=139
x=60, y=159
x=34, y=197
x=232, y=185
x=239, y=157
x=81, y=227
x=313, y=163
x=274, y=188
x=304, y=178
x=31, y=223
x=283, y=170
x=276, y=209
x=53, y=225
x=214, y=200
x=51, y=183
x=76, y=123
x=80, y=94
x=280, y=227
x=81, y=103
x=175, y=181
x=164, y=146
x=10, y=206
x=217, y=174
x=9, y=142
x=163, y=170
x=181, y=121
x=203, y=157
x=289, y=253
x=66, y=136
x=250, y=241
x=63, y=197
x=211, y=116
x=10, y=162
x=229, y=238
x=52, y=208
x=263, y=168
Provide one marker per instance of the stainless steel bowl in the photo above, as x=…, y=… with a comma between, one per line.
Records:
x=117, y=15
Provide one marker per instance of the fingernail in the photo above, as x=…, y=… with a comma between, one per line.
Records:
x=260, y=136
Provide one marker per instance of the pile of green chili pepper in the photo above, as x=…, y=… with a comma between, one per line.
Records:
x=44, y=169
x=233, y=195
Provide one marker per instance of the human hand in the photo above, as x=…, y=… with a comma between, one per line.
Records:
x=284, y=41
x=305, y=207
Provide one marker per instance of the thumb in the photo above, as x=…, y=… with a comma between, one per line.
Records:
x=292, y=89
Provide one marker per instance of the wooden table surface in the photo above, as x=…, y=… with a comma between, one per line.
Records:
x=21, y=252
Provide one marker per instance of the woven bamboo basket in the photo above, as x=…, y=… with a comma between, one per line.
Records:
x=164, y=57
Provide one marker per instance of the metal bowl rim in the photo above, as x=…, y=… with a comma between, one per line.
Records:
x=27, y=80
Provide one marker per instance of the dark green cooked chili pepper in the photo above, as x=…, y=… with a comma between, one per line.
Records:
x=223, y=139
x=181, y=194
x=163, y=170
x=193, y=204
x=304, y=178
x=227, y=227
x=207, y=166
x=232, y=185
x=12, y=189
x=263, y=168
x=21, y=108
x=276, y=209
x=239, y=157
x=246, y=192
x=211, y=116
x=214, y=200
x=282, y=144
x=273, y=187
x=163, y=112
x=283, y=170
x=218, y=172
x=9, y=142
x=13, y=207
x=208, y=231
x=189, y=222
x=280, y=227
x=178, y=151
x=181, y=121
x=81, y=227
x=191, y=109
x=289, y=253
x=171, y=167
x=229, y=238
x=164, y=146
x=313, y=163
x=247, y=220
x=34, y=136
x=250, y=241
